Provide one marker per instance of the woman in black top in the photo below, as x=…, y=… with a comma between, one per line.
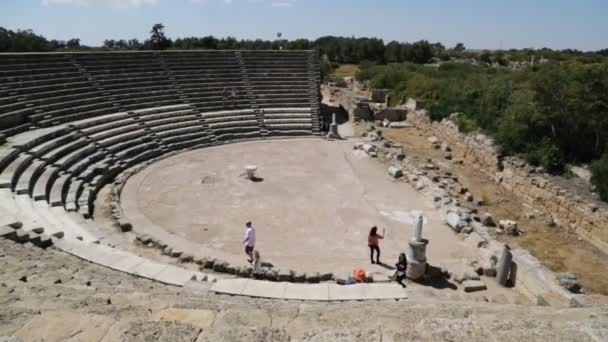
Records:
x=401, y=268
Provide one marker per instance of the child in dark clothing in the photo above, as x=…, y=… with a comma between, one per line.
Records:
x=401, y=268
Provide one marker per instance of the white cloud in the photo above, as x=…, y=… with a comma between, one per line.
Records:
x=111, y=3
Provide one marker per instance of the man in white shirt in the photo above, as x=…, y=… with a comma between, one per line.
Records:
x=249, y=241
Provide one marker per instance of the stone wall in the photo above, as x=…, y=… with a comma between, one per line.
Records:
x=528, y=183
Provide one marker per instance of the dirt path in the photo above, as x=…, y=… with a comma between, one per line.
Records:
x=555, y=248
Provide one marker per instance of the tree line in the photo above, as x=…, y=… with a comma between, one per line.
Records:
x=337, y=50
x=551, y=113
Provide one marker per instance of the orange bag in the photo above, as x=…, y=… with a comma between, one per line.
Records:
x=359, y=275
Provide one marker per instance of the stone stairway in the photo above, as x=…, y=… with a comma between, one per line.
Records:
x=250, y=94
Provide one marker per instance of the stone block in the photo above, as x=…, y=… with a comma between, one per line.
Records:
x=231, y=269
x=313, y=277
x=145, y=239
x=176, y=253
x=395, y=171
x=271, y=275
x=45, y=241
x=487, y=220
x=186, y=258
x=220, y=266
x=22, y=236
x=209, y=263
x=8, y=233
x=455, y=222
x=327, y=276
x=473, y=285
x=284, y=275
x=299, y=277
x=125, y=226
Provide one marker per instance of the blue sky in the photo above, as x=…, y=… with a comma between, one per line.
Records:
x=579, y=24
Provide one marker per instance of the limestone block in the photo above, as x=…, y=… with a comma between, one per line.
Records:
x=327, y=276
x=395, y=171
x=220, y=266
x=22, y=236
x=271, y=275
x=487, y=220
x=299, y=277
x=125, y=225
x=473, y=285
x=284, y=275
x=433, y=140
x=510, y=227
x=313, y=277
x=186, y=258
x=455, y=222
x=368, y=148
x=419, y=185
x=44, y=241
x=8, y=233
x=208, y=263
x=231, y=269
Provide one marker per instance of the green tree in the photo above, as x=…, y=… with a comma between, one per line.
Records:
x=158, y=40
x=459, y=47
x=599, y=176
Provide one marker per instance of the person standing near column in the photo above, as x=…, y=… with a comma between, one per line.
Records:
x=249, y=241
x=373, y=242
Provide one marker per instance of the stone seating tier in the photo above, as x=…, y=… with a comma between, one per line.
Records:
x=44, y=90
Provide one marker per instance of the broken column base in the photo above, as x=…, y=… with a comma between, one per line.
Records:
x=416, y=259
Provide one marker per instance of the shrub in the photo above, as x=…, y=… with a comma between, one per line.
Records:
x=547, y=155
x=599, y=176
x=466, y=124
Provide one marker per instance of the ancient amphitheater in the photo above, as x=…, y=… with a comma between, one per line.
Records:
x=123, y=201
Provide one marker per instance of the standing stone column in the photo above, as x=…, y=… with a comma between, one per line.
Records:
x=504, y=266
x=416, y=253
x=333, y=128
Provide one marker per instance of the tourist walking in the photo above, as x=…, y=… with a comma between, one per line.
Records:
x=249, y=241
x=256, y=271
x=373, y=242
x=401, y=266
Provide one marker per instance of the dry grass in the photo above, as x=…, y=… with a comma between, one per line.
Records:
x=346, y=70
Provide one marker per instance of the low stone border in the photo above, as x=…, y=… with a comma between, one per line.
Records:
x=309, y=292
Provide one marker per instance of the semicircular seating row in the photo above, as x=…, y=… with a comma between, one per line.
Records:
x=41, y=90
x=49, y=177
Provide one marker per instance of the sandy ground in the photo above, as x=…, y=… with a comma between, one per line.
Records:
x=313, y=208
x=557, y=249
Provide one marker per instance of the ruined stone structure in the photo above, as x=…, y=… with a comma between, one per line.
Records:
x=526, y=182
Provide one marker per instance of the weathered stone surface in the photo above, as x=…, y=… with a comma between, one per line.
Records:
x=125, y=225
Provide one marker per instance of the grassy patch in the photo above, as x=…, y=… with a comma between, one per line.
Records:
x=346, y=70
